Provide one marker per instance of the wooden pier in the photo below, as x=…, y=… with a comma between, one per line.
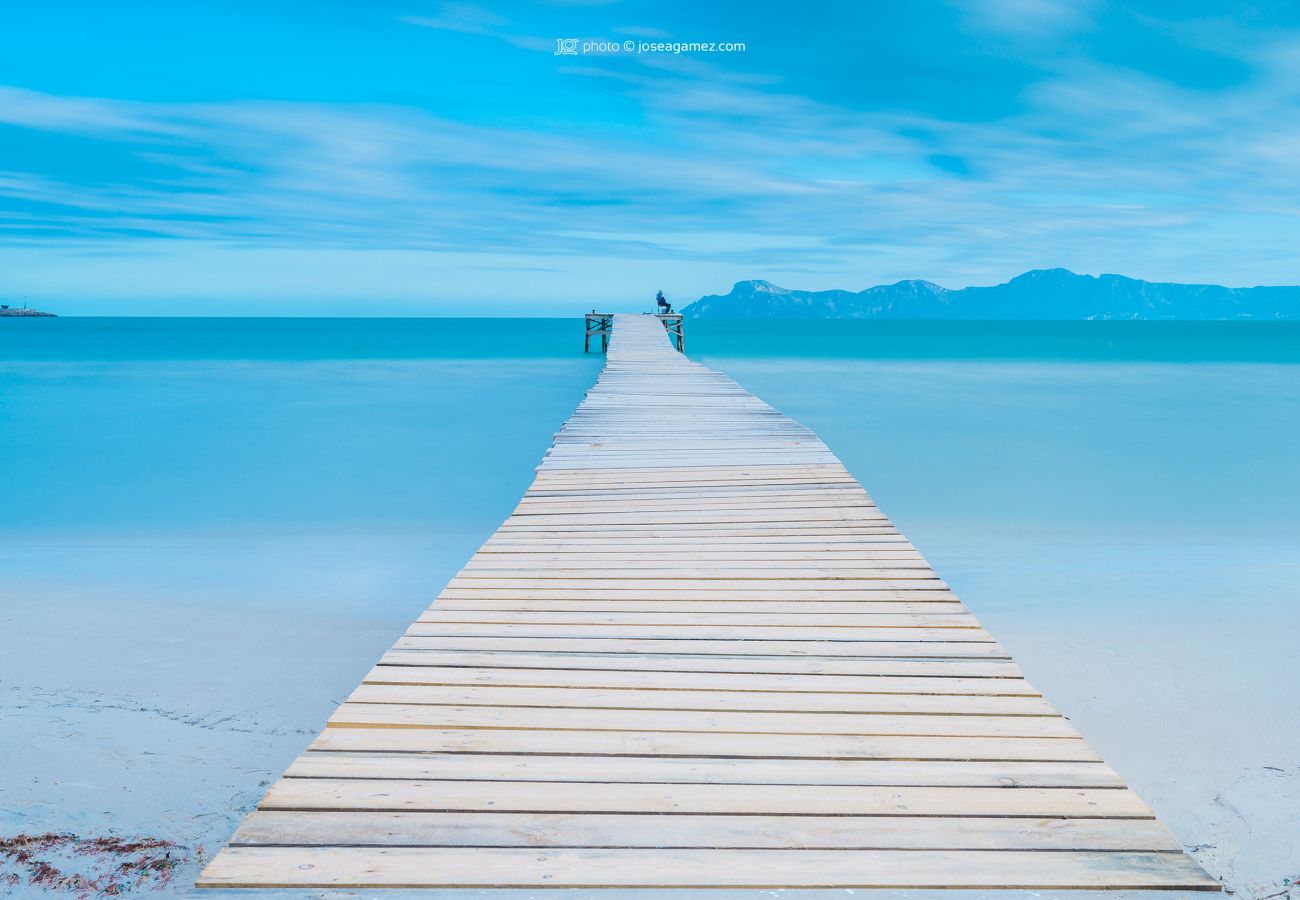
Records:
x=697, y=656
x=601, y=325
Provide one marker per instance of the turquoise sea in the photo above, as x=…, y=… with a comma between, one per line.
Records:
x=311, y=432
x=114, y=427
x=242, y=514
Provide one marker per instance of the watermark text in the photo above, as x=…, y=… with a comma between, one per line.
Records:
x=601, y=47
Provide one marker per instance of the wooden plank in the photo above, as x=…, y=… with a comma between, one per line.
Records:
x=744, y=517
x=746, y=575
x=880, y=538
x=957, y=618
x=694, y=531
x=647, y=662
x=611, y=563
x=933, y=649
x=738, y=746
x=360, y=867
x=654, y=679
x=659, y=698
x=649, y=631
x=604, y=558
x=392, y=715
x=679, y=478
x=743, y=571
x=361, y=794
x=687, y=770
x=806, y=608
x=879, y=590
x=699, y=500
x=424, y=829
x=804, y=502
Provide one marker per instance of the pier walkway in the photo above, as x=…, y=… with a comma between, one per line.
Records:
x=697, y=655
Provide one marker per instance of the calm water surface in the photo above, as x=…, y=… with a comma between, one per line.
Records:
x=189, y=429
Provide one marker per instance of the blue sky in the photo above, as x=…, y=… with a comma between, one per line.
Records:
x=415, y=157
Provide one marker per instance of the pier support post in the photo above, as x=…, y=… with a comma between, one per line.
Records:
x=601, y=324
x=673, y=325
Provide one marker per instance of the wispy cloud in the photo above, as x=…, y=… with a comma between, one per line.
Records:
x=1029, y=18
x=463, y=17
x=694, y=165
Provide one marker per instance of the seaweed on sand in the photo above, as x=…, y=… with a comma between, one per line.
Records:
x=106, y=866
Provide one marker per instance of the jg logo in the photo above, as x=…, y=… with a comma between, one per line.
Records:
x=566, y=47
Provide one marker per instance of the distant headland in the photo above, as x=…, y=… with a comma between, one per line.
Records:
x=1039, y=294
x=7, y=310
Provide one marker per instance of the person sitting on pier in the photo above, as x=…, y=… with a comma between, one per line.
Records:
x=665, y=308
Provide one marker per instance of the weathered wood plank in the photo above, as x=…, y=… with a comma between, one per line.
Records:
x=663, y=662
x=687, y=770
x=654, y=679
x=671, y=799
x=360, y=867
x=393, y=715
x=736, y=746
x=690, y=647
x=688, y=632
x=660, y=698
x=424, y=829
x=957, y=618
x=715, y=610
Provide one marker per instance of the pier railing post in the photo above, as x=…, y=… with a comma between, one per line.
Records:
x=673, y=325
x=601, y=324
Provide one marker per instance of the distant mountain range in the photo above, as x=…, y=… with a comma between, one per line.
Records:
x=1038, y=294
